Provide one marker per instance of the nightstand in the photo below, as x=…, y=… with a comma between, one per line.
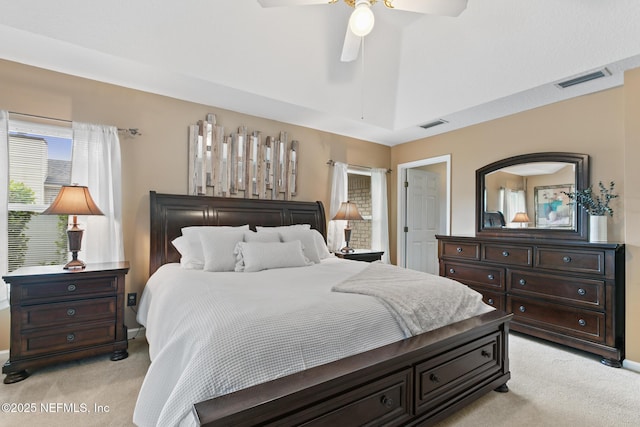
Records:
x=365, y=255
x=59, y=315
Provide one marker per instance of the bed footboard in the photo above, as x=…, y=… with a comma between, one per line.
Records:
x=419, y=380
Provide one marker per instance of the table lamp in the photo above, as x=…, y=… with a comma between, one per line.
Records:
x=522, y=218
x=347, y=212
x=74, y=200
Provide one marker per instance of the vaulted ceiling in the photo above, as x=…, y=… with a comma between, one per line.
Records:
x=497, y=58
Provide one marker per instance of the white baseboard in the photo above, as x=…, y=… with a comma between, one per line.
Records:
x=631, y=365
x=137, y=333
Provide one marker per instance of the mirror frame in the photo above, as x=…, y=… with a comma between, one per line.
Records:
x=581, y=162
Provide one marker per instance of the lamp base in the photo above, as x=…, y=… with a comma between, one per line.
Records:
x=75, y=264
x=347, y=250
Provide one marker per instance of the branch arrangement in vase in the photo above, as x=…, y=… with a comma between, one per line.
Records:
x=594, y=204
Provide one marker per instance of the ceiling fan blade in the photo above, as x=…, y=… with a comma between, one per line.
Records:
x=433, y=7
x=279, y=3
x=351, y=46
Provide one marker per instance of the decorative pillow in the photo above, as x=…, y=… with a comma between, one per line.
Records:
x=252, y=236
x=260, y=228
x=306, y=237
x=187, y=251
x=193, y=236
x=257, y=256
x=321, y=245
x=218, y=247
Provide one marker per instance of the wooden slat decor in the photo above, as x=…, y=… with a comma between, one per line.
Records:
x=241, y=164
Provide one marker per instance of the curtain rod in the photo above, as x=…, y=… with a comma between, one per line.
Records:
x=129, y=131
x=331, y=163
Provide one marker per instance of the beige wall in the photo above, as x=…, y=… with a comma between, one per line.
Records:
x=603, y=125
x=157, y=160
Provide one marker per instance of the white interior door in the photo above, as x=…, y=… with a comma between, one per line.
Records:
x=422, y=220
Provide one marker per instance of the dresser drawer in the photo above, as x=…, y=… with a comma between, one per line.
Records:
x=478, y=275
x=564, y=320
x=494, y=299
x=580, y=292
x=438, y=379
x=42, y=341
x=591, y=262
x=508, y=254
x=81, y=311
x=383, y=402
x=461, y=250
x=67, y=289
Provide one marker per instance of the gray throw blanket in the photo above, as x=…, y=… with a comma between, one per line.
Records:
x=420, y=302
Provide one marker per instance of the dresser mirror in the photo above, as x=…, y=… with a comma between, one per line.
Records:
x=522, y=196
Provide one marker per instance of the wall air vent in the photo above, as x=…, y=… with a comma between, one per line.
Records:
x=434, y=123
x=584, y=78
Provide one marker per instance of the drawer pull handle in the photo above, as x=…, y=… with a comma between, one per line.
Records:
x=434, y=378
x=485, y=353
x=522, y=282
x=582, y=322
x=71, y=337
x=386, y=401
x=71, y=287
x=452, y=270
x=582, y=292
x=490, y=277
x=522, y=309
x=71, y=312
x=459, y=250
x=566, y=258
x=490, y=301
x=505, y=253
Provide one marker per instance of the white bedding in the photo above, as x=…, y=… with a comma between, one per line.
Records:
x=213, y=333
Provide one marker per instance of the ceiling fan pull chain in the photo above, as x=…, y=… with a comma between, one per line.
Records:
x=362, y=84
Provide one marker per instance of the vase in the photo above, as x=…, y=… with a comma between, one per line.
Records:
x=597, y=228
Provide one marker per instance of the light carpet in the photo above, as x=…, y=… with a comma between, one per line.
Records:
x=550, y=386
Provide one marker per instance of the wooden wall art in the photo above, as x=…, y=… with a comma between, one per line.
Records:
x=240, y=164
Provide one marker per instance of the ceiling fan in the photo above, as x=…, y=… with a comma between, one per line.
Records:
x=362, y=19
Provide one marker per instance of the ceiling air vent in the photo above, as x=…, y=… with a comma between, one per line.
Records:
x=434, y=123
x=584, y=78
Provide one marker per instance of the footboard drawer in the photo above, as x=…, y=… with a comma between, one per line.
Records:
x=437, y=379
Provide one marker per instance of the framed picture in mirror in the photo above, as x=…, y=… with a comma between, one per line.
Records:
x=553, y=209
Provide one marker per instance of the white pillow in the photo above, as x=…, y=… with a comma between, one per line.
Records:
x=188, y=253
x=252, y=236
x=193, y=235
x=257, y=256
x=218, y=247
x=307, y=237
x=321, y=245
x=260, y=228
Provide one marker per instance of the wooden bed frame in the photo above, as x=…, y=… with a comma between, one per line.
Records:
x=419, y=380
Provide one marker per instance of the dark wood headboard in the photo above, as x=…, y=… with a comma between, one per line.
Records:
x=171, y=212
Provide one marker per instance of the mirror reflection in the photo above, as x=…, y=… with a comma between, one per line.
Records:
x=530, y=195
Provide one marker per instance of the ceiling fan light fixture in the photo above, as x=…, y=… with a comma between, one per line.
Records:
x=362, y=19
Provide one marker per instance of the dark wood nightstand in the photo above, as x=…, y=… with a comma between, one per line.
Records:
x=59, y=315
x=365, y=255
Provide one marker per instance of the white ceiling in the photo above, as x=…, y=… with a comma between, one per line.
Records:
x=497, y=58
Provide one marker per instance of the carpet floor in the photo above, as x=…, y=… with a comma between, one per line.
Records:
x=550, y=386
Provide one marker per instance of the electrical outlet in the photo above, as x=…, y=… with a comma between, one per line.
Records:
x=132, y=299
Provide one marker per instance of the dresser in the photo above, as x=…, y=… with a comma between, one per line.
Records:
x=59, y=315
x=567, y=292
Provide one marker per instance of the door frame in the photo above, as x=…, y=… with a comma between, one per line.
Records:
x=402, y=194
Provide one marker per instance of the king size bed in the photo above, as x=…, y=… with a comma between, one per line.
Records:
x=279, y=332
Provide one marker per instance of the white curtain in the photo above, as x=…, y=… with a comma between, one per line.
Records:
x=512, y=202
x=339, y=194
x=379, y=213
x=4, y=201
x=95, y=162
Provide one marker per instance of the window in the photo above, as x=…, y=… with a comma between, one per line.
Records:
x=359, y=192
x=39, y=164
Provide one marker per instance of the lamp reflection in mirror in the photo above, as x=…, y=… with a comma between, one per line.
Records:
x=522, y=218
x=74, y=200
x=347, y=212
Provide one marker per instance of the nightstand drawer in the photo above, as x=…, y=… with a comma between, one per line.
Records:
x=42, y=341
x=68, y=288
x=81, y=311
x=580, y=292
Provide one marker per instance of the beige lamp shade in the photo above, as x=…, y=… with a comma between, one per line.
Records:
x=521, y=217
x=73, y=200
x=348, y=211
